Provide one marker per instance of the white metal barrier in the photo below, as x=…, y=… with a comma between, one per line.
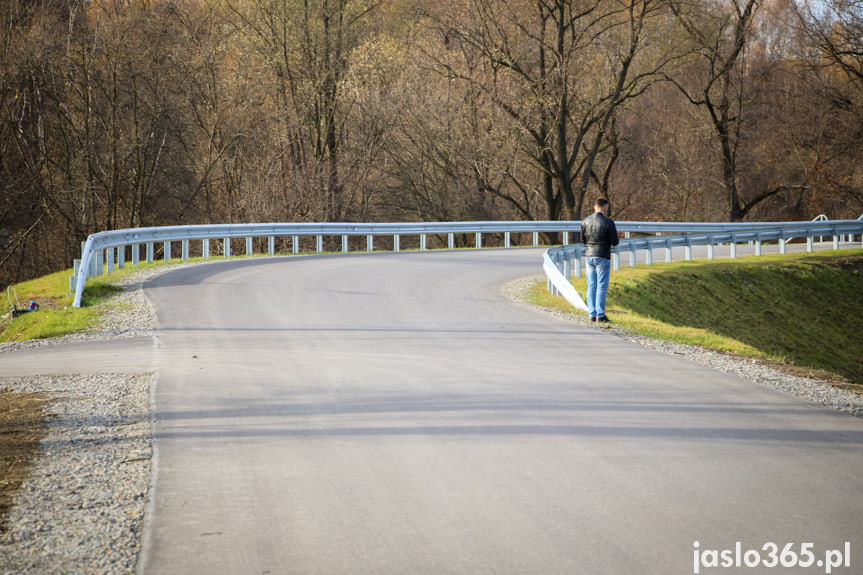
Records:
x=102, y=251
x=559, y=262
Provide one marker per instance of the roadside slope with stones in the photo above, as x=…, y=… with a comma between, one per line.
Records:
x=81, y=510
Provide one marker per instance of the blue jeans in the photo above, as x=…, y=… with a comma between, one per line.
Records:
x=598, y=275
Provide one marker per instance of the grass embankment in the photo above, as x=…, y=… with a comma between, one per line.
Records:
x=56, y=317
x=801, y=310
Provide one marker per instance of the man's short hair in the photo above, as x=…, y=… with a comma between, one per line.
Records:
x=601, y=202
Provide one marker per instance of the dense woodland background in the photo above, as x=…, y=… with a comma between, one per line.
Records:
x=128, y=113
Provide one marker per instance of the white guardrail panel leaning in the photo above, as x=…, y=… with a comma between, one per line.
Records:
x=101, y=249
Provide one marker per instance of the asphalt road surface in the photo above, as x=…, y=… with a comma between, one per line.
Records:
x=396, y=414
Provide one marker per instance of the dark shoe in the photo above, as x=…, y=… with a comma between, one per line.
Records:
x=592, y=319
x=603, y=319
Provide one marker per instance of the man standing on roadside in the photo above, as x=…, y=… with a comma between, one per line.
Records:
x=598, y=233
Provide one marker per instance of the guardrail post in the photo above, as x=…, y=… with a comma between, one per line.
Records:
x=370, y=243
x=205, y=248
x=271, y=245
x=535, y=239
x=396, y=243
x=478, y=240
x=136, y=254
x=710, y=248
x=668, y=251
x=757, y=244
x=185, y=250
x=576, y=259
x=121, y=257
x=506, y=243
x=167, y=251
x=344, y=243
x=422, y=242
x=733, y=246
x=450, y=240
x=809, y=241
x=782, y=248
x=835, y=242
x=567, y=268
x=250, y=247
x=649, y=255
x=615, y=261
x=565, y=238
x=295, y=244
x=151, y=252
x=226, y=247
x=109, y=260
x=632, y=255
x=320, y=246
x=688, y=249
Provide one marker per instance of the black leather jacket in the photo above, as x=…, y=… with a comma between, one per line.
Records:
x=598, y=233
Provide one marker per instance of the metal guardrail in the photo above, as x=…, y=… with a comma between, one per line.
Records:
x=559, y=262
x=100, y=251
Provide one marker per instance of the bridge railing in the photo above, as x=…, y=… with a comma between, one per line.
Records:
x=561, y=262
x=102, y=251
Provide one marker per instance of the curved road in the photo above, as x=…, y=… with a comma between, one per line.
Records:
x=394, y=414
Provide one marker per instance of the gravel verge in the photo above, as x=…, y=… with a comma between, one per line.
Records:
x=82, y=508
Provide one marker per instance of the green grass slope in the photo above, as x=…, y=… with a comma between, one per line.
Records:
x=802, y=309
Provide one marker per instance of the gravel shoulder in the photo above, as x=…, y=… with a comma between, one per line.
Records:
x=82, y=508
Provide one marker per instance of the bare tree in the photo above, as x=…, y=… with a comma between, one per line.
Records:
x=560, y=71
x=835, y=30
x=307, y=46
x=720, y=32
